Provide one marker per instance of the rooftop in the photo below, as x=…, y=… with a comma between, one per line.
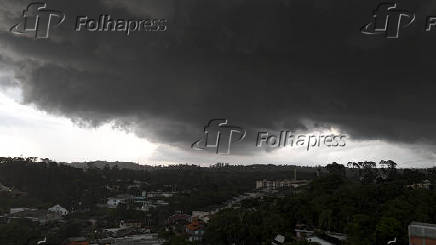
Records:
x=418, y=229
x=427, y=225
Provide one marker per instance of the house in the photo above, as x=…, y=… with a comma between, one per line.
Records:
x=16, y=210
x=118, y=232
x=339, y=236
x=112, y=188
x=279, y=239
x=144, y=207
x=113, y=202
x=16, y=193
x=422, y=233
x=179, y=218
x=270, y=185
x=201, y=215
x=4, y=188
x=161, y=203
x=11, y=192
x=135, y=186
x=426, y=184
x=159, y=194
x=130, y=224
x=303, y=232
x=195, y=230
x=58, y=210
x=40, y=216
x=318, y=240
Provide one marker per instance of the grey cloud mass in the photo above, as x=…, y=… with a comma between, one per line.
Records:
x=260, y=64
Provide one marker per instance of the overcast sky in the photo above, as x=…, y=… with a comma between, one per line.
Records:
x=263, y=65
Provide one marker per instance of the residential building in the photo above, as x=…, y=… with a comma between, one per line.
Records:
x=426, y=184
x=4, y=188
x=11, y=192
x=201, y=215
x=158, y=194
x=130, y=224
x=270, y=185
x=118, y=232
x=113, y=202
x=40, y=216
x=58, y=210
x=318, y=240
x=422, y=234
x=179, y=218
x=303, y=232
x=16, y=210
x=195, y=230
x=278, y=240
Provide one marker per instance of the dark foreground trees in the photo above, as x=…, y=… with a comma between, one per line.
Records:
x=371, y=210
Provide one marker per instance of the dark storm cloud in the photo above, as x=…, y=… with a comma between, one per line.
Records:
x=260, y=64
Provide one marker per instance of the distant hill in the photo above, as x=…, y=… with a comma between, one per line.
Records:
x=102, y=164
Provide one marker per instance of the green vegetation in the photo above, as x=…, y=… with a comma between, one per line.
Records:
x=371, y=205
x=42, y=184
x=371, y=211
x=19, y=232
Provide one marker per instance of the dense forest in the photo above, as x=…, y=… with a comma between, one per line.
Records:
x=373, y=208
x=47, y=182
x=371, y=203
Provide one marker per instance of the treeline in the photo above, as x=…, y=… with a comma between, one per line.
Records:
x=47, y=183
x=51, y=183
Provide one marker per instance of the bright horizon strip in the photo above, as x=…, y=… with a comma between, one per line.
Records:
x=25, y=131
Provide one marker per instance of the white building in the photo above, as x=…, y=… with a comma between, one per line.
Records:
x=4, y=188
x=113, y=202
x=316, y=239
x=279, y=239
x=17, y=210
x=201, y=215
x=276, y=184
x=58, y=210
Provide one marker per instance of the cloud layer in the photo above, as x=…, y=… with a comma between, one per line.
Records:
x=260, y=64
